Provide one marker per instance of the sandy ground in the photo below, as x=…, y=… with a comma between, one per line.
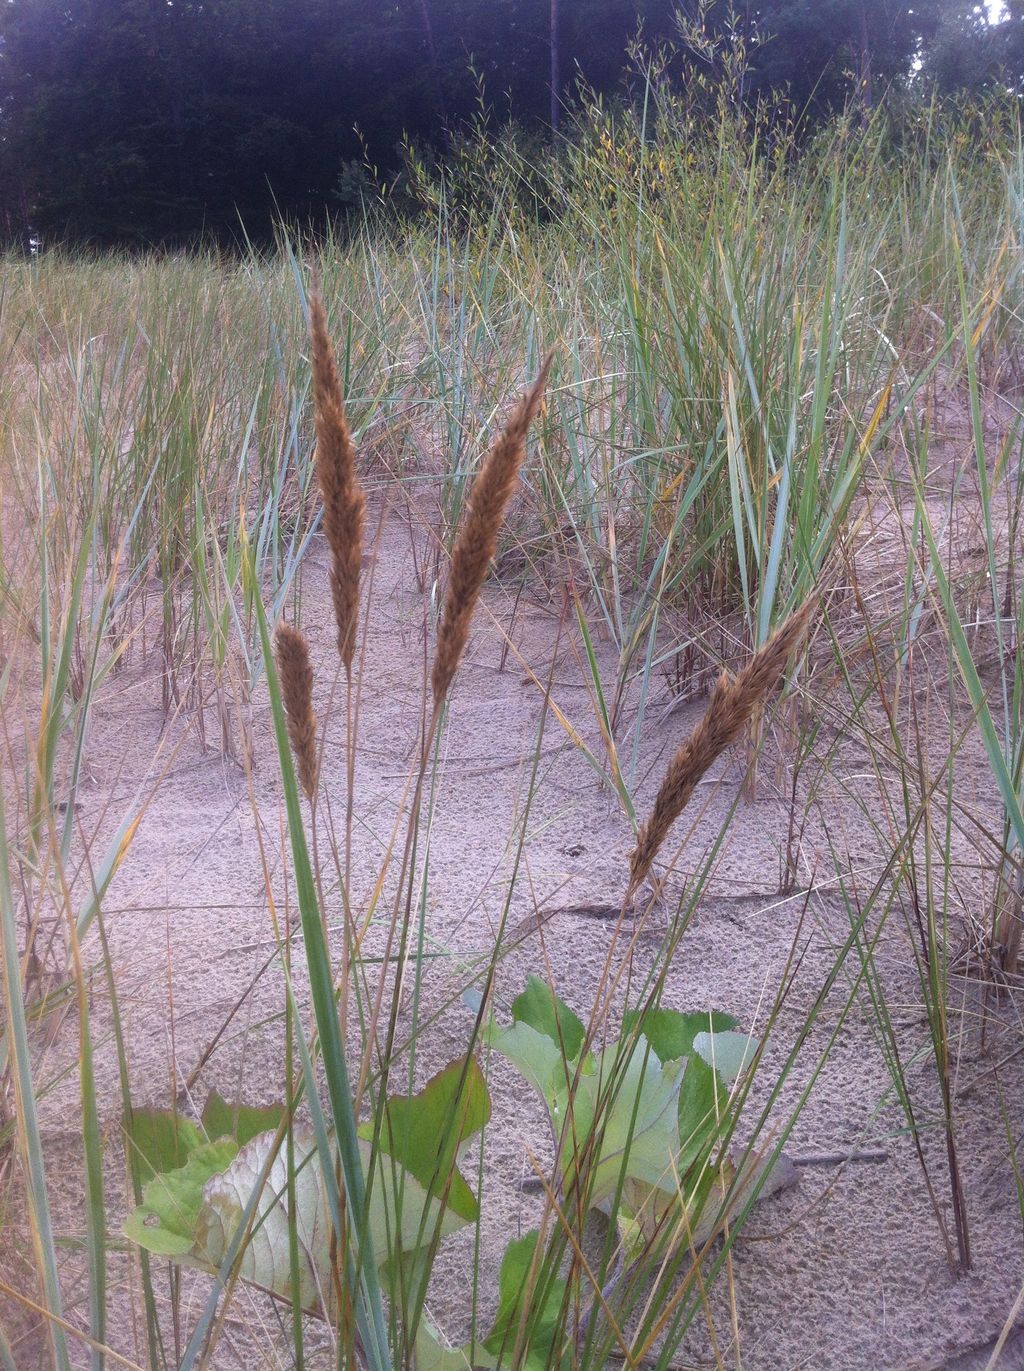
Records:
x=846, y=1270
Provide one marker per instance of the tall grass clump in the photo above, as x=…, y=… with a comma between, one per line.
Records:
x=388, y=1186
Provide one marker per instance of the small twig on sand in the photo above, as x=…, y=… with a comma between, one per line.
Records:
x=858, y=1154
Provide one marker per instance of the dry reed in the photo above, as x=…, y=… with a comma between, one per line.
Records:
x=478, y=538
x=343, y=499
x=296, y=673
x=732, y=703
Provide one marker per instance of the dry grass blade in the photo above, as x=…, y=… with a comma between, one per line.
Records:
x=342, y=495
x=296, y=672
x=732, y=702
x=478, y=537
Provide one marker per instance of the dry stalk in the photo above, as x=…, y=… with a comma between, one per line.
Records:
x=732, y=703
x=478, y=538
x=342, y=495
x=296, y=674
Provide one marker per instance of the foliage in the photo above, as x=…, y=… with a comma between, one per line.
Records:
x=133, y=123
x=639, y=1127
x=635, y=1125
x=194, y=1211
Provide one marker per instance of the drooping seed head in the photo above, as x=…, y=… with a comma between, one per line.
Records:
x=343, y=499
x=296, y=674
x=477, y=541
x=732, y=703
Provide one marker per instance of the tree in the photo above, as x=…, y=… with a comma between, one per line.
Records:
x=971, y=53
x=142, y=120
x=823, y=52
x=154, y=121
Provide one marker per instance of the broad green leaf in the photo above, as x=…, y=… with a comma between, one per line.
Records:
x=192, y=1214
x=647, y=1136
x=402, y=1217
x=160, y=1140
x=265, y=1259
x=670, y=1032
x=639, y=1126
x=703, y=1101
x=544, y=1043
x=432, y=1355
x=540, y=1060
x=519, y=1307
x=715, y=1062
x=728, y=1053
x=239, y=1121
x=402, y=1214
x=166, y=1220
x=540, y=1008
x=424, y=1132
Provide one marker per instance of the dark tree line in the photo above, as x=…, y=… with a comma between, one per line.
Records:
x=144, y=121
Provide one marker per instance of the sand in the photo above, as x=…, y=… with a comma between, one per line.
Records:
x=845, y=1270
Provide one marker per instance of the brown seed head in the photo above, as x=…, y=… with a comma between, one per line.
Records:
x=730, y=707
x=343, y=499
x=296, y=673
x=478, y=538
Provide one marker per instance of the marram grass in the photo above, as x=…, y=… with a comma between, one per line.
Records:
x=756, y=358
